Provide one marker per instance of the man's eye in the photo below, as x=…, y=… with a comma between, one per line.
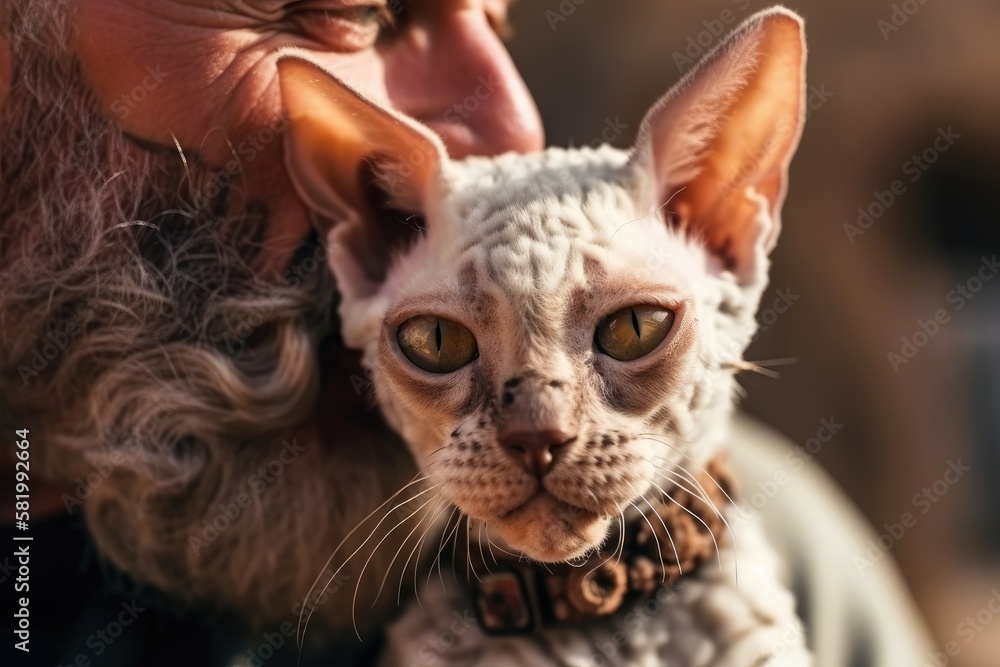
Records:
x=340, y=28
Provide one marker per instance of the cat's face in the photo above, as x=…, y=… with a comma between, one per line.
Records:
x=537, y=367
x=550, y=338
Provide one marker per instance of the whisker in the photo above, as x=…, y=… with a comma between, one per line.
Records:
x=759, y=367
x=489, y=545
x=700, y=520
x=354, y=601
x=618, y=550
x=468, y=549
x=300, y=636
x=445, y=536
x=655, y=210
x=416, y=564
x=454, y=545
x=652, y=436
x=439, y=449
x=402, y=544
x=482, y=556
x=708, y=501
x=741, y=391
x=509, y=553
x=703, y=496
x=652, y=534
x=621, y=541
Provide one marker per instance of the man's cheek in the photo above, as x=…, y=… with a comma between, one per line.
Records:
x=163, y=81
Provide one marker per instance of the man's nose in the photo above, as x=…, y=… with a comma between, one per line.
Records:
x=536, y=449
x=461, y=82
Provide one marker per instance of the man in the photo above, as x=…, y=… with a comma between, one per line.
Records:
x=165, y=313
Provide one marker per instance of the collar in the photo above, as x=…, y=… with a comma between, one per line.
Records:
x=517, y=596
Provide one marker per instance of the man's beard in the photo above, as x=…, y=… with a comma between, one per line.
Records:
x=158, y=375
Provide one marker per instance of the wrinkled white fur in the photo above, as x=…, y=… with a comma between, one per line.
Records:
x=720, y=617
x=712, y=619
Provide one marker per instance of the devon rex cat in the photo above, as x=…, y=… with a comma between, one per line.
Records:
x=555, y=337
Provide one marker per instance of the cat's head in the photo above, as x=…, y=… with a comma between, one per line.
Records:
x=554, y=334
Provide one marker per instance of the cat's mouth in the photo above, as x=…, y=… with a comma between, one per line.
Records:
x=548, y=529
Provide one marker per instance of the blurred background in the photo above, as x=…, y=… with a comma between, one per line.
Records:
x=886, y=260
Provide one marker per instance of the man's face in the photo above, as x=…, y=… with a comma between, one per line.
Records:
x=202, y=74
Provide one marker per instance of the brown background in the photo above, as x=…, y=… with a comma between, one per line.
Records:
x=889, y=94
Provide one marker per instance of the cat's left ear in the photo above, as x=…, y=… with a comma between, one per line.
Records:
x=720, y=141
x=365, y=172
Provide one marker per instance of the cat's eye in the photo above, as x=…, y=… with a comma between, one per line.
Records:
x=633, y=332
x=435, y=344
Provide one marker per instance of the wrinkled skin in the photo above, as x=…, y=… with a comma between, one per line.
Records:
x=203, y=72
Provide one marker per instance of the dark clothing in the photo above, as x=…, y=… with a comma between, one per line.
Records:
x=85, y=613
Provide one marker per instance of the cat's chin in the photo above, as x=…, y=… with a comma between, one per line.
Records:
x=549, y=530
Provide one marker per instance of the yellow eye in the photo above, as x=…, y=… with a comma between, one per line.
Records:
x=633, y=332
x=435, y=344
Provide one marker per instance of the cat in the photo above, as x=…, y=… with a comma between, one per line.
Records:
x=555, y=336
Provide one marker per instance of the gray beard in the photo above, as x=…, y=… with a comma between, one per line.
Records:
x=159, y=376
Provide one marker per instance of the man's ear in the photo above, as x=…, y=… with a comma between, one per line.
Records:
x=367, y=173
x=720, y=141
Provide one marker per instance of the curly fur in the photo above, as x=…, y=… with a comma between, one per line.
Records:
x=530, y=252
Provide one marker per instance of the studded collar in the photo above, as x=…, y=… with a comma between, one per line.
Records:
x=670, y=540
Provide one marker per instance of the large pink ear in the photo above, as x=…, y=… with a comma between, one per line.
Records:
x=722, y=138
x=365, y=171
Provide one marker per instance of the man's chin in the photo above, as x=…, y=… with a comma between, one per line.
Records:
x=549, y=530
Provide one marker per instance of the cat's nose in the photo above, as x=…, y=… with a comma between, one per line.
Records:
x=536, y=449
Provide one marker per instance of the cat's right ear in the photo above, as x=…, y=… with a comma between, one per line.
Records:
x=363, y=170
x=719, y=143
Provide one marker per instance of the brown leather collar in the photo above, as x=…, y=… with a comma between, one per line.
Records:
x=519, y=597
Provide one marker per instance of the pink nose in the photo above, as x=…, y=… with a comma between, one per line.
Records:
x=536, y=449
